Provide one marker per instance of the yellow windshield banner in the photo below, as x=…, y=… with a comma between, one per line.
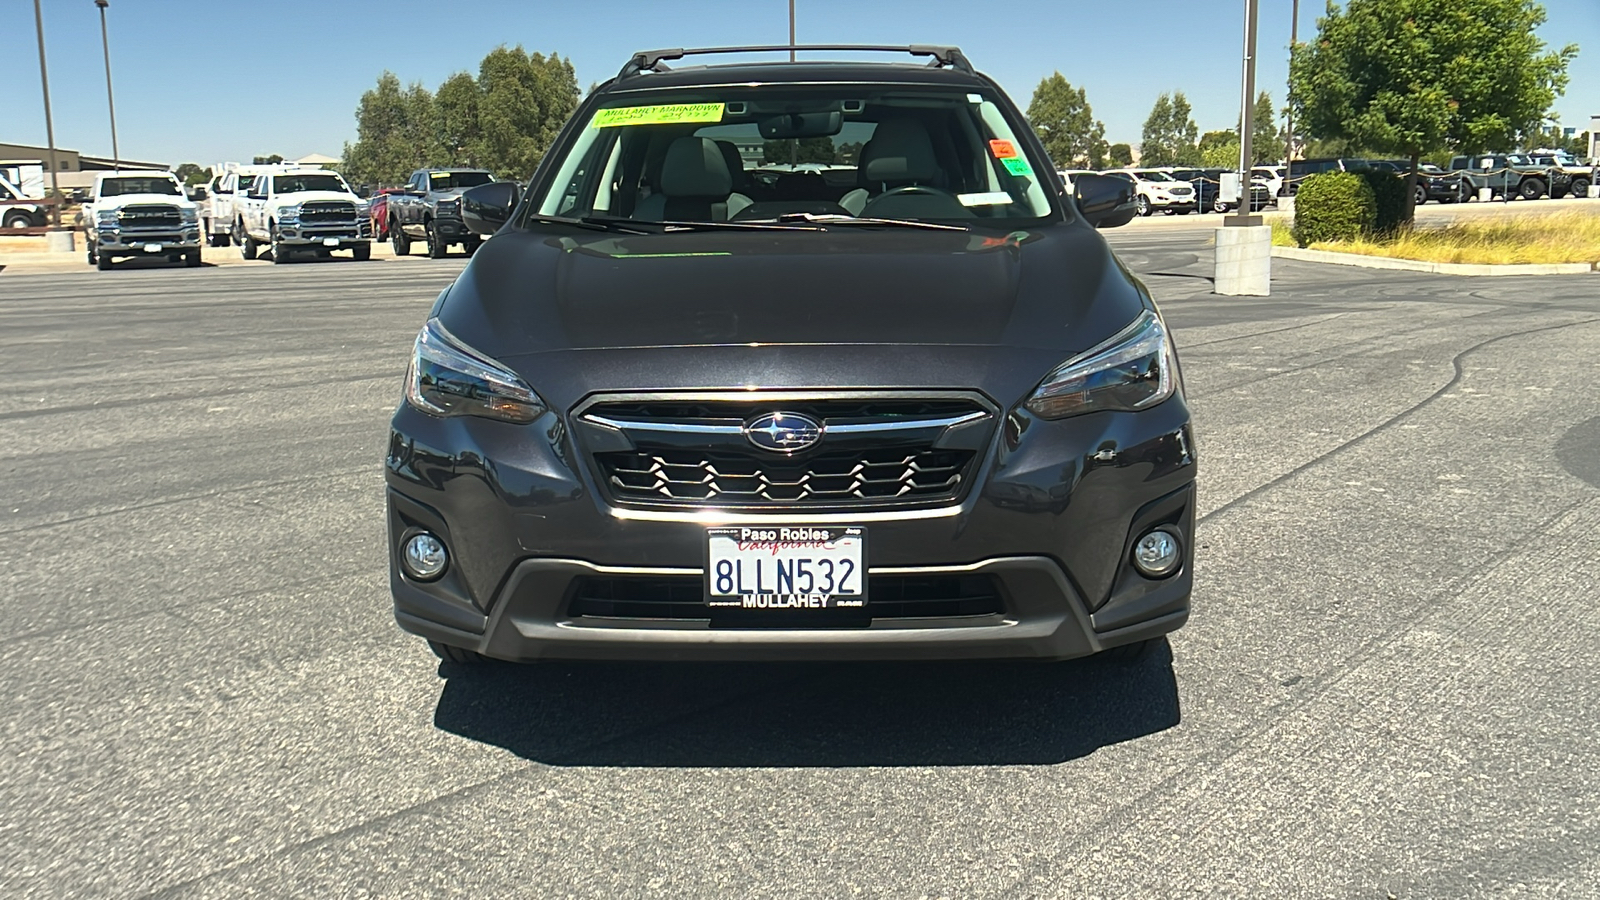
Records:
x=659, y=115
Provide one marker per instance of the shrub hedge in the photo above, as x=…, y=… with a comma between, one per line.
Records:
x=1389, y=199
x=1333, y=206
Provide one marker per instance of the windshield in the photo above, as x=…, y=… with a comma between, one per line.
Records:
x=116, y=187
x=448, y=181
x=1155, y=176
x=308, y=181
x=739, y=153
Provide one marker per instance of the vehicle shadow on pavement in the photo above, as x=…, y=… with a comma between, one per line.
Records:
x=813, y=714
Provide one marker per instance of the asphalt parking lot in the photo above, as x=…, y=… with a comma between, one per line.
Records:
x=1388, y=687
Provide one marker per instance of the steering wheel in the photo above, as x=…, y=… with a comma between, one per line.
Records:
x=917, y=189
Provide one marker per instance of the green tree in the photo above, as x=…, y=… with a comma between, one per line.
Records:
x=271, y=160
x=455, y=120
x=1411, y=77
x=524, y=98
x=1170, y=133
x=191, y=174
x=1061, y=115
x=1119, y=155
x=1266, y=138
x=1221, y=155
x=380, y=154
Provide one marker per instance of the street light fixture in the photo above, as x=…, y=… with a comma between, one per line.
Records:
x=105, y=45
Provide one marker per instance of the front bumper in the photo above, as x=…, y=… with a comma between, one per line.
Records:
x=1050, y=520
x=344, y=234
x=1170, y=202
x=128, y=241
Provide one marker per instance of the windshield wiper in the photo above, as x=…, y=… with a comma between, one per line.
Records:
x=836, y=219
x=647, y=226
x=617, y=226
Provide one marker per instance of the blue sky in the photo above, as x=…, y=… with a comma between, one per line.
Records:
x=212, y=80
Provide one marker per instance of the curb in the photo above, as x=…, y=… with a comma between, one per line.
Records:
x=1412, y=265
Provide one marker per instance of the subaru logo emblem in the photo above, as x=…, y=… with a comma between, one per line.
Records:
x=783, y=432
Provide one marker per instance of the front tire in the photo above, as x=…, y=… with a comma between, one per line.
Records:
x=247, y=245
x=361, y=252
x=437, y=249
x=18, y=219
x=399, y=238
x=458, y=655
x=102, y=262
x=472, y=244
x=1531, y=189
x=1580, y=187
x=1143, y=206
x=192, y=259
x=1421, y=196
x=280, y=253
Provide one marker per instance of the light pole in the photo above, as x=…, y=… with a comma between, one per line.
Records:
x=1247, y=121
x=1244, y=244
x=1288, y=94
x=105, y=45
x=49, y=126
x=791, y=30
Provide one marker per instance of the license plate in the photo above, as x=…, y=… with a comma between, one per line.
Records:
x=152, y=248
x=330, y=242
x=786, y=567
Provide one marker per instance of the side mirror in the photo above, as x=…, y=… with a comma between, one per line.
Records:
x=1104, y=201
x=488, y=206
x=198, y=193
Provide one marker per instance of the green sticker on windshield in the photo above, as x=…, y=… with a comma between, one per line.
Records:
x=659, y=115
x=1017, y=165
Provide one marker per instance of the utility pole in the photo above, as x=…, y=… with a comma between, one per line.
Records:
x=49, y=126
x=1247, y=121
x=1288, y=113
x=105, y=44
x=1244, y=244
x=791, y=30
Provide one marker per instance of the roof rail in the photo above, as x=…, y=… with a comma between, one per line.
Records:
x=651, y=60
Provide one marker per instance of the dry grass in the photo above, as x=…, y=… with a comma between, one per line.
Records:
x=1569, y=237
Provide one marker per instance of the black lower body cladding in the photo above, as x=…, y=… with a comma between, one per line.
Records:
x=1025, y=552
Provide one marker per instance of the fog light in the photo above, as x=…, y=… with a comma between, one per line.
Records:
x=1157, y=554
x=424, y=557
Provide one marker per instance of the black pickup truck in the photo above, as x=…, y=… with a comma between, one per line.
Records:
x=429, y=210
x=1508, y=175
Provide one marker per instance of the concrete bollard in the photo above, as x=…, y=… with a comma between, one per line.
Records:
x=1244, y=261
x=1594, y=192
x=59, y=242
x=1485, y=194
x=1286, y=205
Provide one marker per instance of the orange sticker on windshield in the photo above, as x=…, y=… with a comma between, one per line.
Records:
x=1003, y=149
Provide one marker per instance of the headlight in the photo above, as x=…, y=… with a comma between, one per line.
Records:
x=289, y=212
x=449, y=379
x=189, y=215
x=106, y=216
x=1132, y=371
x=449, y=207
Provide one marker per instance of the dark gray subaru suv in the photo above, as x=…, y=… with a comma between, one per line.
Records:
x=797, y=360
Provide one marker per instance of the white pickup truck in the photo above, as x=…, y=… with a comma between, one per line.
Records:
x=302, y=209
x=140, y=214
x=220, y=212
x=20, y=215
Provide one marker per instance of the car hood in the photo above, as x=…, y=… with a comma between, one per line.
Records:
x=841, y=308
x=309, y=197
x=122, y=200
